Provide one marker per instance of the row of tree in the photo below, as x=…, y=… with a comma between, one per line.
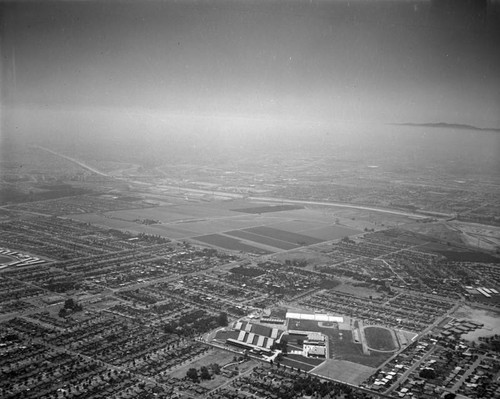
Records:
x=70, y=306
x=196, y=375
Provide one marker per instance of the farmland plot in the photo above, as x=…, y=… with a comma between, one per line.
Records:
x=230, y=243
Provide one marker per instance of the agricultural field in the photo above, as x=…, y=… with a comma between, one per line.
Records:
x=298, y=226
x=283, y=235
x=280, y=227
x=229, y=243
x=246, y=235
x=290, y=239
x=215, y=225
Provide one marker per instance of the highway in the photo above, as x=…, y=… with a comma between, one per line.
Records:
x=237, y=195
x=76, y=161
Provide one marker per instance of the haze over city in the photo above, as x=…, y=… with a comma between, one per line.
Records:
x=317, y=63
x=250, y=199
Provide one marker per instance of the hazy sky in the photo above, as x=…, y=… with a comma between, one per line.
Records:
x=318, y=61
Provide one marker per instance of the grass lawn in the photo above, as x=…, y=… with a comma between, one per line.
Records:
x=379, y=339
x=214, y=356
x=297, y=364
x=341, y=344
x=307, y=360
x=352, y=373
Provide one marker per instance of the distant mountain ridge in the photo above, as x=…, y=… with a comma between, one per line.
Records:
x=444, y=125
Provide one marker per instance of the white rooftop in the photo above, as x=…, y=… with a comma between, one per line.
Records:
x=314, y=317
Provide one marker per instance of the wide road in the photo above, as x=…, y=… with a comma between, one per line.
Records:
x=291, y=201
x=338, y=204
x=76, y=161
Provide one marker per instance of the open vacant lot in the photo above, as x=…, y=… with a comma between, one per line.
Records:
x=328, y=233
x=172, y=213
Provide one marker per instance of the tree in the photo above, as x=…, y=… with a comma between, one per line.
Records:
x=222, y=319
x=205, y=375
x=70, y=305
x=283, y=345
x=192, y=374
x=428, y=374
x=215, y=368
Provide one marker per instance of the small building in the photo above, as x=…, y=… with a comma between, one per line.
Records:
x=314, y=351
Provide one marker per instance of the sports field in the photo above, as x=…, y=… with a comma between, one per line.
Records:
x=379, y=338
x=342, y=370
x=301, y=362
x=341, y=343
x=303, y=325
